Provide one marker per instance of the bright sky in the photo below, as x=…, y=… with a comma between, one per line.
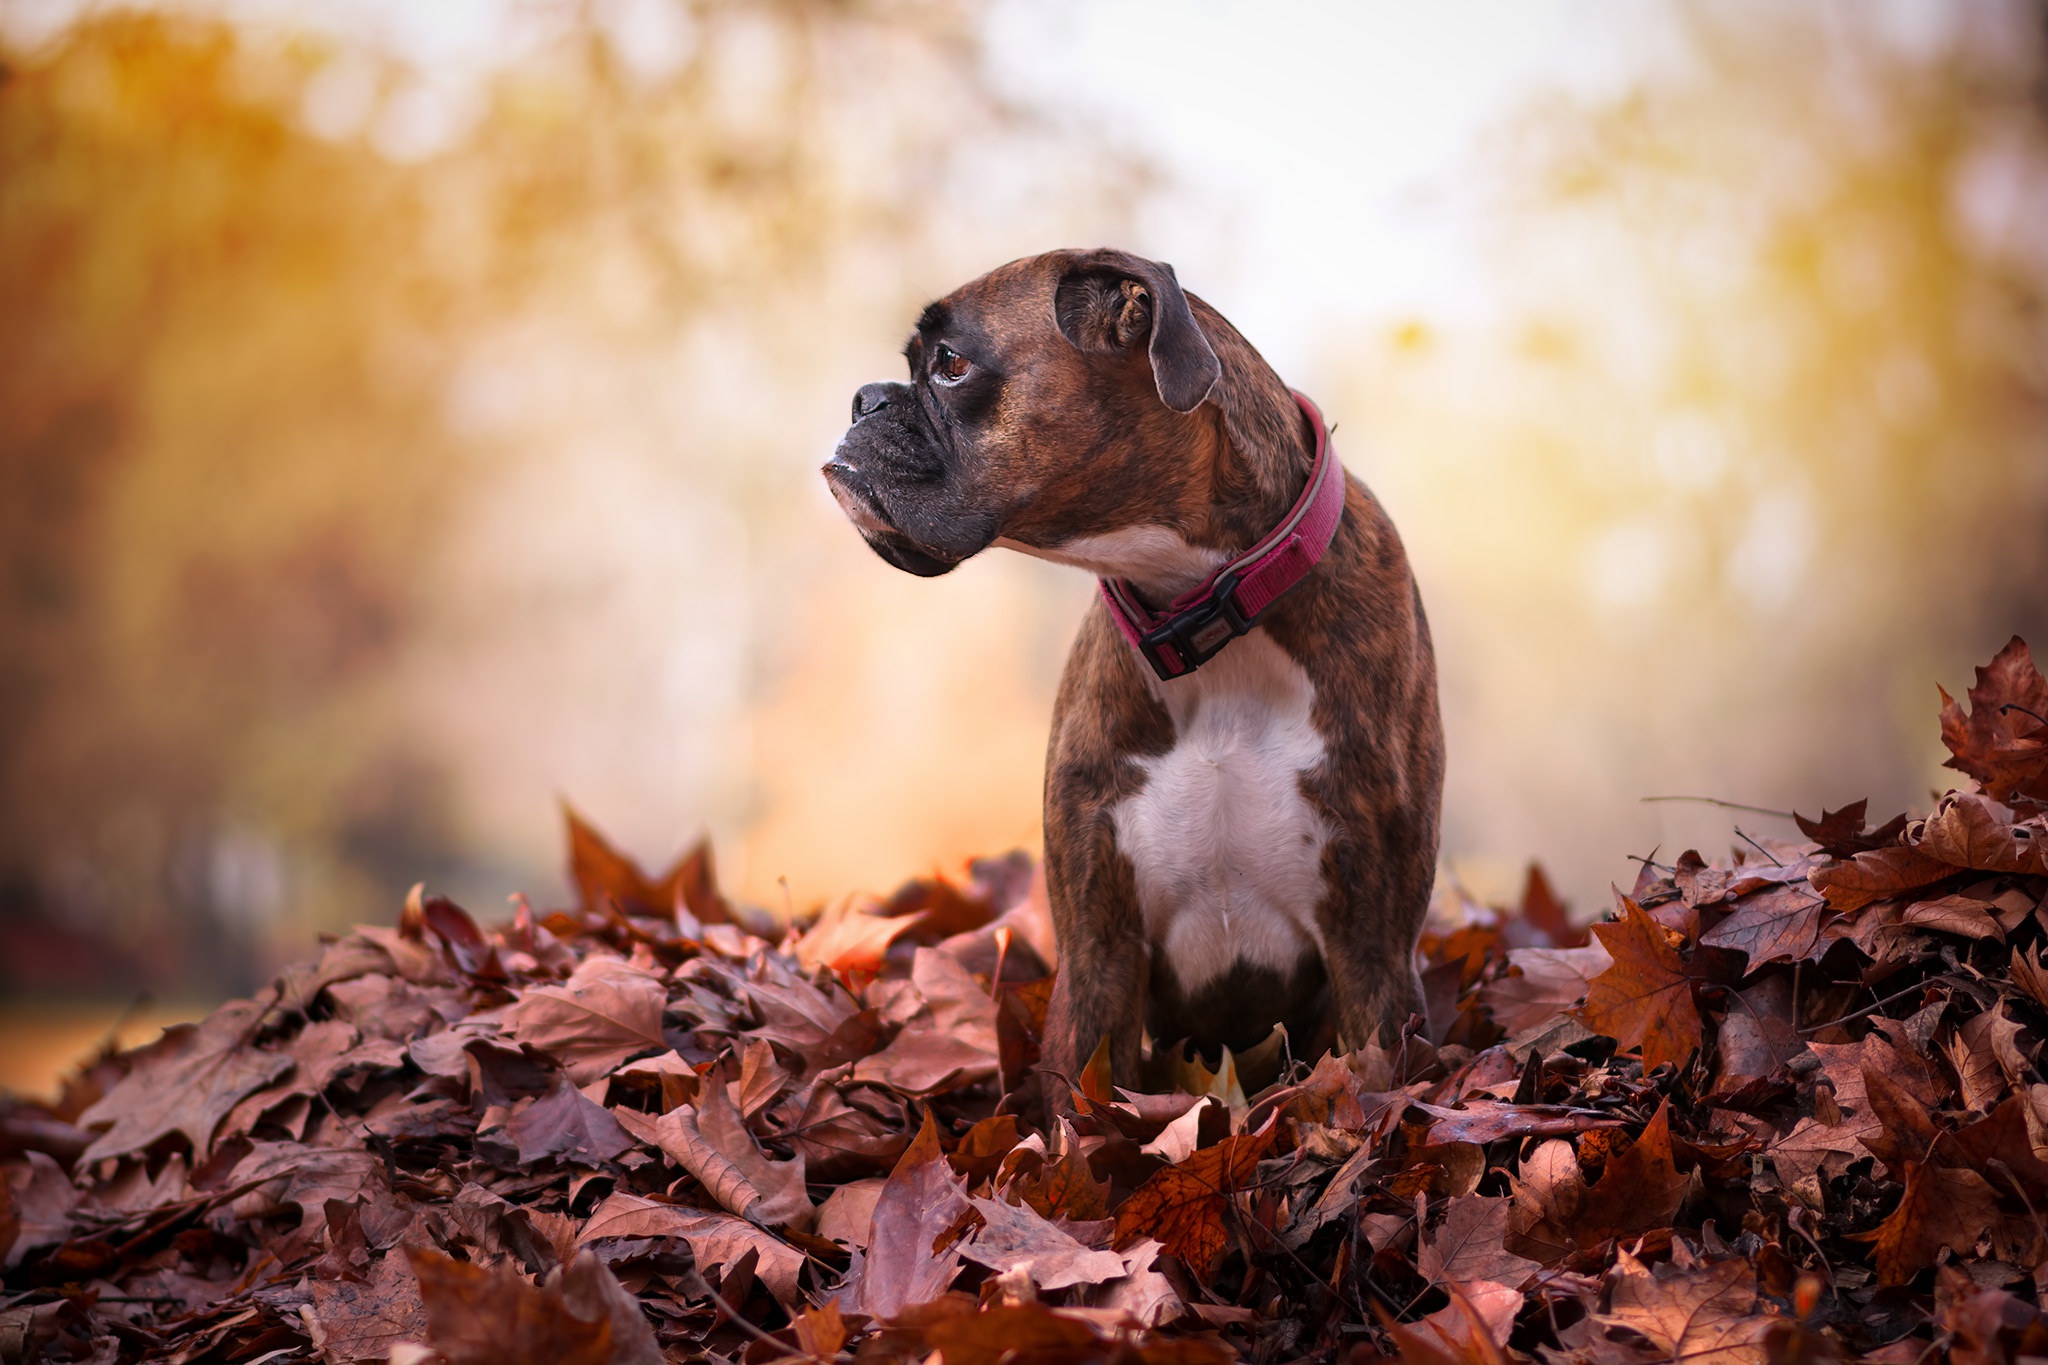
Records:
x=1315, y=149
x=1318, y=148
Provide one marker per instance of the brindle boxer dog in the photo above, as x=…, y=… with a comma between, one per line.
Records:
x=1246, y=762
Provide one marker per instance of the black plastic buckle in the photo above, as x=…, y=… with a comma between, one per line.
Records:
x=1198, y=633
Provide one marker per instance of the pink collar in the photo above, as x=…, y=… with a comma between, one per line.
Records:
x=1196, y=626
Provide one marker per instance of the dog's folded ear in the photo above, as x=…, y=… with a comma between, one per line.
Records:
x=1107, y=300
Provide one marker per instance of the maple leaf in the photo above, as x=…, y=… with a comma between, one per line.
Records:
x=1014, y=1239
x=1186, y=1206
x=604, y=1013
x=188, y=1088
x=1471, y=1245
x=711, y=1141
x=920, y=1206
x=1943, y=1206
x=852, y=936
x=1638, y=1191
x=952, y=1042
x=1779, y=924
x=565, y=1124
x=1545, y=983
x=1841, y=833
x=1875, y=875
x=1024, y=1334
x=1058, y=1183
x=604, y=876
x=1758, y=1037
x=1645, y=999
x=1965, y=831
x=2003, y=740
x=1702, y=1315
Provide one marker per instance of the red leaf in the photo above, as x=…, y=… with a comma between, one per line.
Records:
x=2003, y=740
x=1645, y=999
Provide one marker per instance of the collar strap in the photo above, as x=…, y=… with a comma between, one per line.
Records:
x=1196, y=626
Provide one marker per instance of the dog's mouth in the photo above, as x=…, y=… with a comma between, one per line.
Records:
x=863, y=507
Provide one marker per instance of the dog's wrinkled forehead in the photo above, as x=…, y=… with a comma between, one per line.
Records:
x=1002, y=308
x=1108, y=305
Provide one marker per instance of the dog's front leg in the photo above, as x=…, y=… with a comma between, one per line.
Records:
x=1104, y=965
x=1371, y=916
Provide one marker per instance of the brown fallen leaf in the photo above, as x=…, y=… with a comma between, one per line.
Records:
x=2002, y=741
x=1841, y=833
x=604, y=1013
x=1778, y=924
x=362, y=1320
x=1546, y=982
x=1964, y=830
x=1759, y=1035
x=1875, y=875
x=580, y=1316
x=716, y=1239
x=1638, y=1191
x=852, y=937
x=189, y=1088
x=1645, y=999
x=605, y=876
x=1699, y=1314
x=1471, y=1245
x=1185, y=1206
x=912, y=1256
x=1014, y=1239
x=1943, y=1206
x=564, y=1124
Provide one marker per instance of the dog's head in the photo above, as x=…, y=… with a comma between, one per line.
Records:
x=1034, y=394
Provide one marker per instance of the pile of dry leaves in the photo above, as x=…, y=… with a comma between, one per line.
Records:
x=1790, y=1107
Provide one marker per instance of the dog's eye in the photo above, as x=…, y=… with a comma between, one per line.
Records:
x=948, y=365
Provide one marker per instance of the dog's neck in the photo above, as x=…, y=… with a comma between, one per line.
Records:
x=1255, y=450
x=1250, y=448
x=1262, y=445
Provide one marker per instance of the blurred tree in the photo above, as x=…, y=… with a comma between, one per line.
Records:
x=244, y=277
x=1767, y=452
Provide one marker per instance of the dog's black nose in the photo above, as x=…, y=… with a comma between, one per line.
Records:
x=869, y=400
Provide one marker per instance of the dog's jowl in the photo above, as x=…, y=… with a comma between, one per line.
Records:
x=1242, y=786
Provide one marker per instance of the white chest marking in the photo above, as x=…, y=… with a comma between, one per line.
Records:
x=1228, y=852
x=1156, y=558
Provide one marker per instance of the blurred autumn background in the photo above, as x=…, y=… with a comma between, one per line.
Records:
x=410, y=415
